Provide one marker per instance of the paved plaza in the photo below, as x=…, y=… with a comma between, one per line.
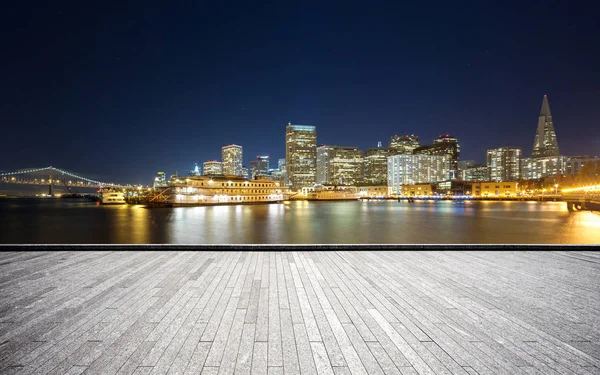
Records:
x=300, y=312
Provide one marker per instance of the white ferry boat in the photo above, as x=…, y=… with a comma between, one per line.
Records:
x=112, y=197
x=216, y=190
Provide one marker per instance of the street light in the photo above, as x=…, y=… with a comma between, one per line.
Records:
x=555, y=189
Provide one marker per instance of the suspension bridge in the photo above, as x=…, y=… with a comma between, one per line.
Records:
x=52, y=176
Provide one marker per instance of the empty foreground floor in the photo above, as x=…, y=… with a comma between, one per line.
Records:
x=327, y=312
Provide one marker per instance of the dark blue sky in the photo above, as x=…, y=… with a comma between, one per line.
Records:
x=121, y=90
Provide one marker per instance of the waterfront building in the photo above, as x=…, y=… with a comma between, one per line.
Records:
x=403, y=144
x=373, y=191
x=375, y=165
x=339, y=165
x=259, y=167
x=545, y=143
x=416, y=169
x=443, y=145
x=495, y=189
x=332, y=193
x=477, y=172
x=231, y=157
x=541, y=167
x=301, y=156
x=416, y=190
x=160, y=180
x=212, y=167
x=573, y=164
x=504, y=164
x=210, y=190
x=454, y=187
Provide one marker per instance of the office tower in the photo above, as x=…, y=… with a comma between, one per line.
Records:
x=476, y=172
x=375, y=166
x=504, y=164
x=283, y=171
x=301, y=156
x=464, y=164
x=339, y=165
x=416, y=169
x=245, y=172
x=573, y=164
x=546, y=166
x=444, y=145
x=403, y=144
x=231, y=157
x=212, y=167
x=259, y=167
x=545, y=143
x=196, y=171
x=160, y=180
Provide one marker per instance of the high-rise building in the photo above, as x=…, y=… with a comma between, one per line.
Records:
x=232, y=160
x=464, y=164
x=545, y=143
x=476, y=172
x=403, y=144
x=212, y=167
x=283, y=171
x=416, y=169
x=573, y=164
x=245, y=172
x=301, y=156
x=375, y=166
x=160, y=180
x=546, y=166
x=504, y=164
x=259, y=167
x=196, y=170
x=443, y=145
x=339, y=165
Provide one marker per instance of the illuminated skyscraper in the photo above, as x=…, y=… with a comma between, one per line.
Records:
x=212, y=167
x=375, y=165
x=259, y=167
x=545, y=143
x=301, y=156
x=403, y=144
x=160, y=180
x=283, y=171
x=232, y=160
x=547, y=166
x=416, y=169
x=444, y=145
x=196, y=171
x=504, y=164
x=339, y=165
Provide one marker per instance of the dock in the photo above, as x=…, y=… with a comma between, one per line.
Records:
x=300, y=312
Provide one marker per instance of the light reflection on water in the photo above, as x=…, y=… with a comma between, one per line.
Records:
x=299, y=222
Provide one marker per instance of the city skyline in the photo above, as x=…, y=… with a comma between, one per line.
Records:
x=191, y=80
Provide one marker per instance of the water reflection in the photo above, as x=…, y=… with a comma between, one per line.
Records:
x=299, y=222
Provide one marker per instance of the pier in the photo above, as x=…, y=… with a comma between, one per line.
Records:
x=309, y=312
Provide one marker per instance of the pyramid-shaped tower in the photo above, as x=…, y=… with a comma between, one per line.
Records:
x=545, y=143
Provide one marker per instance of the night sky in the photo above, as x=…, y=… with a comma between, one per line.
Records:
x=120, y=90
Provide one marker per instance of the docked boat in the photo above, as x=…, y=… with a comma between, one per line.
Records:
x=111, y=196
x=218, y=190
